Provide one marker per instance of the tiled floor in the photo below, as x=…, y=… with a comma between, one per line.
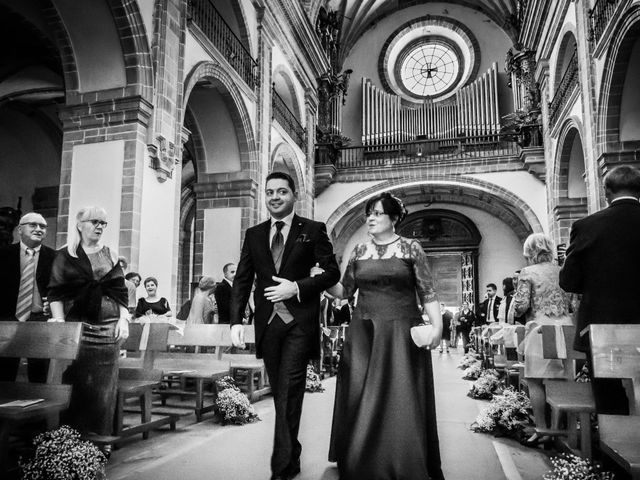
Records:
x=210, y=451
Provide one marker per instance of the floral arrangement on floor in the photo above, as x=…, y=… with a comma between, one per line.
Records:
x=572, y=467
x=313, y=380
x=473, y=372
x=487, y=385
x=233, y=405
x=61, y=454
x=506, y=414
x=467, y=360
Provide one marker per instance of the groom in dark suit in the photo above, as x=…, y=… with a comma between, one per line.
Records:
x=602, y=263
x=280, y=253
x=26, y=270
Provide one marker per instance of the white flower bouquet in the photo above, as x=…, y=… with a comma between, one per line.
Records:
x=505, y=415
x=61, y=454
x=313, y=380
x=572, y=467
x=232, y=405
x=468, y=360
x=487, y=385
x=473, y=372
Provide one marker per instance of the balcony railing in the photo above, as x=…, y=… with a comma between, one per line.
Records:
x=209, y=20
x=565, y=87
x=460, y=149
x=288, y=120
x=599, y=17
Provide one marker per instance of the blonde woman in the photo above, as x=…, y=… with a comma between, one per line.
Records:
x=87, y=285
x=202, y=309
x=541, y=301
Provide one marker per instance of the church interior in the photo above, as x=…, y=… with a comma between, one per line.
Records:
x=491, y=119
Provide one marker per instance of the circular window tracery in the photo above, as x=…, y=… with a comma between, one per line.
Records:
x=430, y=68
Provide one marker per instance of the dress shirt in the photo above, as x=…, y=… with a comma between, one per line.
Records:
x=626, y=197
x=36, y=303
x=490, y=317
x=288, y=220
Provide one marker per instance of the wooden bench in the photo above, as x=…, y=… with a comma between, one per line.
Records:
x=566, y=396
x=56, y=341
x=138, y=381
x=615, y=351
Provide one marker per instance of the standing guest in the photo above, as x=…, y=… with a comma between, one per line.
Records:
x=152, y=305
x=201, y=309
x=541, y=300
x=464, y=319
x=488, y=310
x=87, y=285
x=447, y=318
x=384, y=421
x=26, y=269
x=130, y=284
x=280, y=253
x=508, y=290
x=223, y=292
x=602, y=263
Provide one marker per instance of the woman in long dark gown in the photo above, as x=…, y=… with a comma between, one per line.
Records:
x=384, y=423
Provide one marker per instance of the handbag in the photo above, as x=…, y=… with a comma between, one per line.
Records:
x=422, y=334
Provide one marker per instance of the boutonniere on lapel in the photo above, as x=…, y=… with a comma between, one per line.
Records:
x=303, y=238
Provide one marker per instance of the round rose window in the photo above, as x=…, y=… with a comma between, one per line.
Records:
x=430, y=68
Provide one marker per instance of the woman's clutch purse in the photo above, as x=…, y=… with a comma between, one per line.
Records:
x=422, y=334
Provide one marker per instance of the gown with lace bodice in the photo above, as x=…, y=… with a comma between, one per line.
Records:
x=541, y=301
x=384, y=424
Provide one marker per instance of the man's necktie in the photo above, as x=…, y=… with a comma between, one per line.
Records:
x=25, y=292
x=277, y=245
x=490, y=311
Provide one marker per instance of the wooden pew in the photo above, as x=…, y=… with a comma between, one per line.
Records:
x=567, y=396
x=56, y=341
x=145, y=340
x=616, y=354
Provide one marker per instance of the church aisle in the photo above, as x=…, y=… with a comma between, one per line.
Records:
x=207, y=450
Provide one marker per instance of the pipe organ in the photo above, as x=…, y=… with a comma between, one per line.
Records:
x=473, y=111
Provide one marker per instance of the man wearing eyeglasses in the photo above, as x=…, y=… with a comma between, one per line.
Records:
x=26, y=268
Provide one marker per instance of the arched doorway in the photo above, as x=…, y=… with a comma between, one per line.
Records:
x=451, y=241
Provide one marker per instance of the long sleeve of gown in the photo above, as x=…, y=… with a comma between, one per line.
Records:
x=348, y=281
x=424, y=279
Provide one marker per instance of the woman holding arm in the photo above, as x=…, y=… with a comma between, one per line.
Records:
x=87, y=285
x=384, y=424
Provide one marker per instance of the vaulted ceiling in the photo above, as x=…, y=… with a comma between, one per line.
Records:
x=360, y=15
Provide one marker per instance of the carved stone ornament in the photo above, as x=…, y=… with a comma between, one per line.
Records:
x=162, y=155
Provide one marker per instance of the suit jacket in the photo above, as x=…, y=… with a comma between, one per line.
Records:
x=602, y=263
x=306, y=245
x=223, y=299
x=10, y=277
x=482, y=310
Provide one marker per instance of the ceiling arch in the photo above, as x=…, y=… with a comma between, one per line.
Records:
x=360, y=15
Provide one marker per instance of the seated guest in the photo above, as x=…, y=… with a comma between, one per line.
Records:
x=541, y=300
x=26, y=269
x=152, y=305
x=201, y=307
x=87, y=285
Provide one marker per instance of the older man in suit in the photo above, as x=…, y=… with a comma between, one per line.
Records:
x=602, y=263
x=26, y=268
x=280, y=253
x=223, y=292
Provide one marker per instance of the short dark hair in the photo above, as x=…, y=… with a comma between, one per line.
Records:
x=623, y=179
x=492, y=285
x=150, y=279
x=283, y=176
x=391, y=205
x=507, y=283
x=225, y=269
x=130, y=275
